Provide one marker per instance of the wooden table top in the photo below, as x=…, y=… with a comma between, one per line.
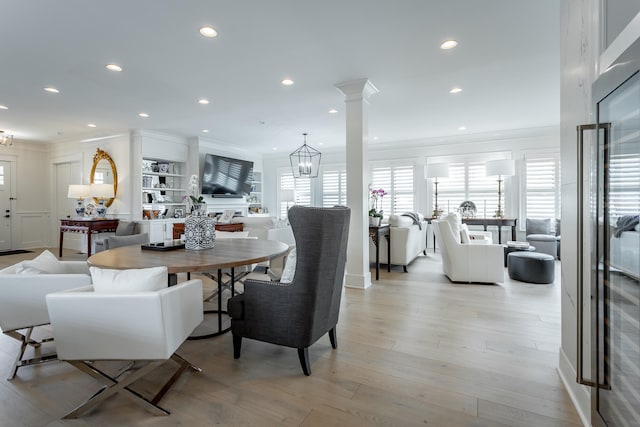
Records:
x=225, y=254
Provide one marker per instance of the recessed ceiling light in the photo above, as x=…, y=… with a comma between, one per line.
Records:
x=287, y=82
x=51, y=90
x=208, y=31
x=333, y=111
x=455, y=90
x=91, y=125
x=375, y=138
x=462, y=128
x=3, y=107
x=145, y=115
x=448, y=44
x=321, y=143
x=113, y=67
x=275, y=148
x=203, y=101
x=205, y=130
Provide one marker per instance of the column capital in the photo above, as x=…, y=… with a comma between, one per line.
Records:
x=357, y=89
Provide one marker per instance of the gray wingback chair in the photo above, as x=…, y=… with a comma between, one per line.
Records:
x=297, y=314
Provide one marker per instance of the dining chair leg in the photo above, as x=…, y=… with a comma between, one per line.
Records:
x=332, y=338
x=303, y=355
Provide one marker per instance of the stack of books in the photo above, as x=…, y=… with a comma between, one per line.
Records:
x=518, y=245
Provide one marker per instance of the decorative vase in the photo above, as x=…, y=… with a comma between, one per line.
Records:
x=199, y=230
x=374, y=221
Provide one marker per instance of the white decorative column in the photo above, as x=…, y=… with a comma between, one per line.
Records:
x=356, y=95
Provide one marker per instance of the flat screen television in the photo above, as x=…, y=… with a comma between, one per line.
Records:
x=226, y=177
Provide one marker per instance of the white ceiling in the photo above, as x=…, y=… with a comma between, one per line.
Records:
x=507, y=63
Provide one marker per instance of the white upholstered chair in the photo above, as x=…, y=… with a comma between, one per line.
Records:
x=468, y=262
x=408, y=241
x=22, y=301
x=146, y=327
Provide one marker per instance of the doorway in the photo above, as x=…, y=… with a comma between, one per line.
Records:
x=6, y=199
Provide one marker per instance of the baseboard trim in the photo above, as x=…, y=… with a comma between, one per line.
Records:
x=579, y=394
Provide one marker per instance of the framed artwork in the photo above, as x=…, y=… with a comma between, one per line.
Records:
x=226, y=216
x=178, y=213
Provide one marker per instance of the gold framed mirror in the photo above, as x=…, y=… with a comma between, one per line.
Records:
x=104, y=171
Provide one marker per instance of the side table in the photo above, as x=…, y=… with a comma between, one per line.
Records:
x=87, y=226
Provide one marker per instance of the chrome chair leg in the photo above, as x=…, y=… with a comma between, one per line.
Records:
x=25, y=341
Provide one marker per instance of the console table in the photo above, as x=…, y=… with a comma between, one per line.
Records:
x=375, y=233
x=498, y=222
x=87, y=226
x=178, y=228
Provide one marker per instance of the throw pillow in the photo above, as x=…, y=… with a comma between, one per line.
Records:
x=538, y=226
x=108, y=281
x=45, y=263
x=289, y=268
x=464, y=234
x=455, y=221
x=125, y=228
x=400, y=221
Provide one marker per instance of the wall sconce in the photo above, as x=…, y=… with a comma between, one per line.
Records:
x=6, y=140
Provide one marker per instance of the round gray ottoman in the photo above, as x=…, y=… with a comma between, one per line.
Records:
x=531, y=267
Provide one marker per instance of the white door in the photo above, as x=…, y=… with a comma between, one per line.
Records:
x=5, y=205
x=68, y=173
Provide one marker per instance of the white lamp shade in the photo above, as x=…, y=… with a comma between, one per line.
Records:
x=437, y=170
x=102, y=191
x=500, y=167
x=287, y=195
x=78, y=191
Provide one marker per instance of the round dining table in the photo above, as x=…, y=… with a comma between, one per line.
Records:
x=226, y=254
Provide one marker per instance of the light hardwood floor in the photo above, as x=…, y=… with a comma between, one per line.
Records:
x=413, y=349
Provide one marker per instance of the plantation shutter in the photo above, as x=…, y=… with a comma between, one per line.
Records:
x=542, y=187
x=624, y=175
x=334, y=188
x=397, y=181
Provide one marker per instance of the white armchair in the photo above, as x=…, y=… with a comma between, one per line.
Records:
x=408, y=240
x=146, y=327
x=23, y=306
x=468, y=262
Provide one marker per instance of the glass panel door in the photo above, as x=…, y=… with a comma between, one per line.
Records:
x=617, y=295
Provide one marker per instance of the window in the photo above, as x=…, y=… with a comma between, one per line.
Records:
x=467, y=181
x=334, y=188
x=542, y=186
x=301, y=188
x=397, y=181
x=1, y=175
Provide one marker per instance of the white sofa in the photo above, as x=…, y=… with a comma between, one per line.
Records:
x=475, y=261
x=408, y=241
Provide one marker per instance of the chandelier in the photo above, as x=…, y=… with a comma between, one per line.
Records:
x=6, y=140
x=305, y=161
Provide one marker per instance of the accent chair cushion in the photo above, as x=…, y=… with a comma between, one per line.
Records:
x=538, y=226
x=125, y=228
x=45, y=263
x=108, y=281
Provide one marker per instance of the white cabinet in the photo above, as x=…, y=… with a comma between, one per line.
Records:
x=163, y=188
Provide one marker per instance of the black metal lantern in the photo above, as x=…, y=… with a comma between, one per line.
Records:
x=305, y=161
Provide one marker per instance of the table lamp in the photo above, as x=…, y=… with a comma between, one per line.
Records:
x=80, y=192
x=102, y=192
x=500, y=168
x=287, y=195
x=437, y=170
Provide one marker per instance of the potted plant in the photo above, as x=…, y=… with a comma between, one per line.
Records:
x=375, y=215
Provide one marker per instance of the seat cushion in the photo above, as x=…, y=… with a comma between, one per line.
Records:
x=108, y=281
x=542, y=237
